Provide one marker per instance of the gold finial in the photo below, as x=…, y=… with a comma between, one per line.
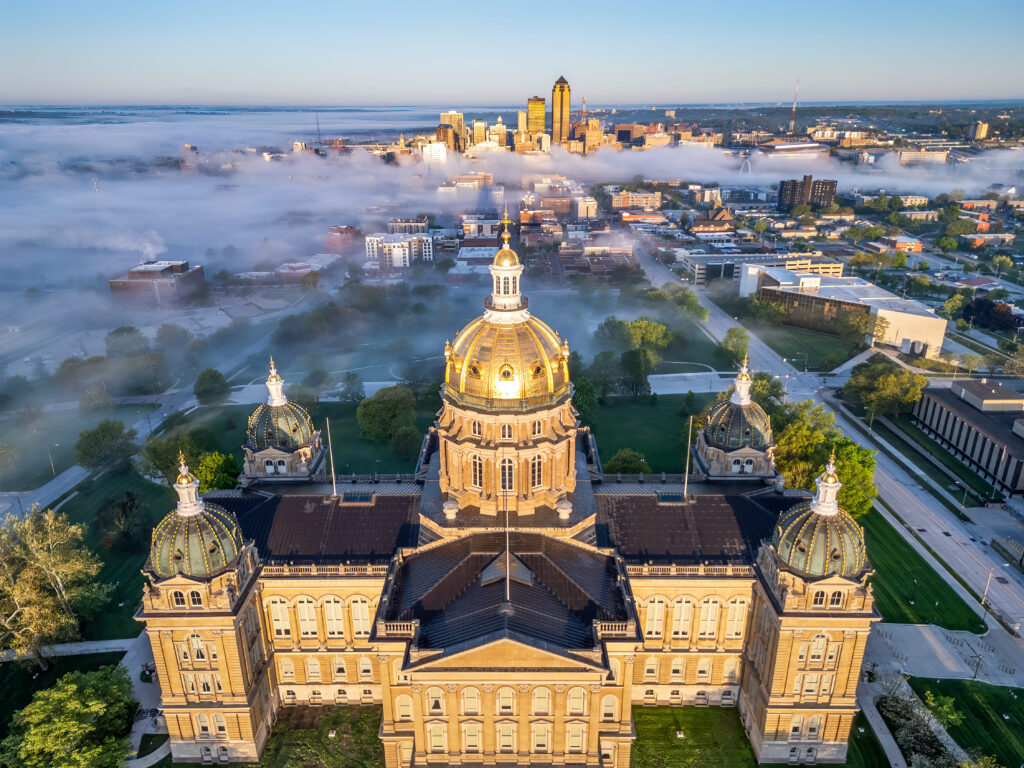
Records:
x=181, y=456
x=184, y=476
x=273, y=371
x=832, y=456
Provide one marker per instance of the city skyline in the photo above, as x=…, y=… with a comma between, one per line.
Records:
x=235, y=54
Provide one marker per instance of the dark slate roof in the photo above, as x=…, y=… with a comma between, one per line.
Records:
x=714, y=529
x=322, y=529
x=556, y=591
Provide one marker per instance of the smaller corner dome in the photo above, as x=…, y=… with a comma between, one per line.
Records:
x=285, y=427
x=820, y=545
x=731, y=426
x=198, y=545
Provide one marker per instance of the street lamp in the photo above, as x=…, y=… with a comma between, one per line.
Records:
x=984, y=597
x=913, y=593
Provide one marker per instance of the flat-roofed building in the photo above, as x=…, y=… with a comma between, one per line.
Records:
x=163, y=283
x=981, y=423
x=647, y=201
x=398, y=251
x=707, y=267
x=406, y=226
x=819, y=301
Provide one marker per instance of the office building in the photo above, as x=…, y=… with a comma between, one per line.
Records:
x=164, y=283
x=434, y=153
x=479, y=131
x=979, y=131
x=340, y=239
x=447, y=135
x=507, y=604
x=647, y=201
x=560, y=111
x=388, y=252
x=521, y=121
x=707, y=267
x=535, y=115
x=455, y=120
x=794, y=192
x=407, y=226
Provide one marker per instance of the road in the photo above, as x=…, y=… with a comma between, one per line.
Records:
x=972, y=560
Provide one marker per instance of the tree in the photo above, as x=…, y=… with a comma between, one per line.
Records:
x=767, y=391
x=635, y=366
x=352, y=389
x=126, y=341
x=735, y=343
x=387, y=411
x=162, y=452
x=899, y=260
x=406, y=442
x=106, y=445
x=628, y=462
x=122, y=517
x=1001, y=263
x=648, y=334
x=946, y=244
x=47, y=580
x=315, y=380
x=94, y=400
x=8, y=457
x=953, y=307
x=584, y=400
x=81, y=722
x=216, y=471
x=310, y=282
x=445, y=265
x=970, y=361
x=172, y=341
x=211, y=387
x=944, y=709
x=884, y=388
x=604, y=373
x=759, y=227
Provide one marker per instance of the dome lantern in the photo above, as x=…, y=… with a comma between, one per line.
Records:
x=275, y=386
x=505, y=303
x=741, y=393
x=187, y=488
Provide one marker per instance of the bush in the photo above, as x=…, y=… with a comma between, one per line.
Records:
x=406, y=442
x=628, y=462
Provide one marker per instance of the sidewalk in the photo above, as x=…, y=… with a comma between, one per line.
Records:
x=867, y=694
x=77, y=649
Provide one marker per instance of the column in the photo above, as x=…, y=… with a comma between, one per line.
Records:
x=487, y=738
x=524, y=745
x=451, y=709
x=593, y=722
x=388, y=719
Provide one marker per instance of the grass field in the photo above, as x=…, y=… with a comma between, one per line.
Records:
x=57, y=431
x=822, y=351
x=352, y=454
x=19, y=681
x=657, y=430
x=985, y=729
x=121, y=566
x=714, y=738
x=150, y=743
x=896, y=566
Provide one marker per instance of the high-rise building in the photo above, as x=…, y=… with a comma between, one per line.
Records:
x=521, y=121
x=794, y=192
x=535, y=114
x=454, y=119
x=479, y=131
x=560, y=111
x=979, y=131
x=446, y=134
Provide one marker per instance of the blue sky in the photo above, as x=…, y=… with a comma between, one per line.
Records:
x=318, y=52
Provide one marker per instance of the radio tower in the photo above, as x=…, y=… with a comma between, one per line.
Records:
x=583, y=119
x=792, y=116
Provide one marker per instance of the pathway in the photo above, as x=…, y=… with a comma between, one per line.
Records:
x=75, y=649
x=867, y=695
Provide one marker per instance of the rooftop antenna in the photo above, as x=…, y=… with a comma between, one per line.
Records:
x=330, y=450
x=686, y=476
x=792, y=116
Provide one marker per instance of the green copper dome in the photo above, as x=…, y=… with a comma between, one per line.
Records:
x=278, y=423
x=738, y=422
x=818, y=538
x=196, y=538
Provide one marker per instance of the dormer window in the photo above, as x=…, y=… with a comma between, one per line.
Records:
x=178, y=598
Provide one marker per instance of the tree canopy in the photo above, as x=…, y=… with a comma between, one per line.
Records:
x=735, y=343
x=383, y=414
x=884, y=388
x=584, y=400
x=211, y=387
x=108, y=444
x=216, y=471
x=628, y=462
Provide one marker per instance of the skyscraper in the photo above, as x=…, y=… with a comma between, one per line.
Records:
x=560, y=111
x=479, y=131
x=454, y=119
x=521, y=121
x=535, y=114
x=819, y=193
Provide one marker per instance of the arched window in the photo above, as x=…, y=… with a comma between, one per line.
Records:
x=307, y=616
x=818, y=645
x=339, y=669
x=796, y=725
x=678, y=669
x=541, y=701
x=281, y=466
x=655, y=617
x=220, y=724
x=507, y=469
x=403, y=707
x=179, y=598
x=819, y=599
x=536, y=471
x=477, y=466
x=576, y=701
x=198, y=647
x=360, y=616
x=836, y=600
x=475, y=428
x=470, y=701
x=435, y=735
x=333, y=621
x=708, y=618
x=651, y=669
x=681, y=618
x=279, y=617
x=195, y=599
x=506, y=431
x=616, y=669
x=506, y=701
x=312, y=670
x=736, y=617
x=203, y=726
x=737, y=465
x=287, y=669
x=515, y=285
x=704, y=670
x=608, y=707
x=538, y=428
x=268, y=466
x=506, y=286
x=365, y=669
x=435, y=701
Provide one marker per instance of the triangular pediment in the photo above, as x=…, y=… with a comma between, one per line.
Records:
x=507, y=654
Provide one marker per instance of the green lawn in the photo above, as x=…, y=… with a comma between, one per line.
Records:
x=657, y=430
x=822, y=351
x=985, y=728
x=714, y=737
x=293, y=743
x=56, y=431
x=18, y=681
x=352, y=454
x=896, y=566
x=122, y=565
x=150, y=743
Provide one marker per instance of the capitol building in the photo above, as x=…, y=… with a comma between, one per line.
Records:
x=509, y=603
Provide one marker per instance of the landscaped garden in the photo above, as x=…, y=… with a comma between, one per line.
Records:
x=907, y=589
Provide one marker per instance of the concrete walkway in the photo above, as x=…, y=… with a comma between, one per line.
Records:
x=867, y=698
x=151, y=759
x=76, y=649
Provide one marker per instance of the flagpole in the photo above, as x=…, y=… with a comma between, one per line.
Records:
x=686, y=477
x=330, y=451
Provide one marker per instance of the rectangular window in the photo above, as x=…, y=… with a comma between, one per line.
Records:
x=651, y=670
x=332, y=619
x=505, y=738
x=472, y=738
x=810, y=685
x=541, y=739
x=681, y=619
x=574, y=738
x=655, y=618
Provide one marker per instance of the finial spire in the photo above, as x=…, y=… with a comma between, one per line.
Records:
x=505, y=234
x=275, y=385
x=827, y=485
x=187, y=487
x=741, y=394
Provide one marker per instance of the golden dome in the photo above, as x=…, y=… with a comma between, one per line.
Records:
x=494, y=364
x=185, y=477
x=506, y=257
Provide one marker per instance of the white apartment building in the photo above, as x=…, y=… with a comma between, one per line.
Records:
x=435, y=153
x=399, y=250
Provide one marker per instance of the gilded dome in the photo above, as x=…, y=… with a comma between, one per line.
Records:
x=818, y=538
x=738, y=422
x=278, y=423
x=196, y=538
x=491, y=361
